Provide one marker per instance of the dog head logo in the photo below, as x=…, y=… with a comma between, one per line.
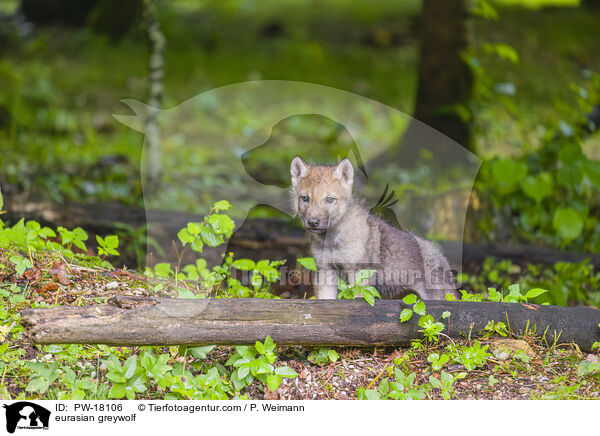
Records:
x=26, y=415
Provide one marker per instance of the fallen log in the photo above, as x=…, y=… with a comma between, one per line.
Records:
x=163, y=321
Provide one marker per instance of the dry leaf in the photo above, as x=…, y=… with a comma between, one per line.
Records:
x=49, y=287
x=59, y=272
x=32, y=275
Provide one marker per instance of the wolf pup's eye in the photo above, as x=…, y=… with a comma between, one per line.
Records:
x=329, y=200
x=304, y=198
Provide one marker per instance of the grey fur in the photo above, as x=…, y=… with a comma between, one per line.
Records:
x=353, y=240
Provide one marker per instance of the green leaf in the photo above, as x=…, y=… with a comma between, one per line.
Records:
x=186, y=294
x=503, y=51
x=112, y=241
x=363, y=274
x=222, y=224
x=269, y=344
x=1, y=200
x=210, y=237
x=507, y=173
x=37, y=384
x=494, y=295
x=243, y=371
x=586, y=367
x=117, y=391
x=514, y=291
x=259, y=347
x=79, y=244
x=244, y=264
x=372, y=394
x=419, y=308
x=79, y=233
x=193, y=228
x=410, y=299
x=405, y=315
x=570, y=153
x=435, y=382
x=185, y=236
x=201, y=352
x=116, y=377
x=433, y=357
x=425, y=319
x=567, y=223
x=113, y=364
x=333, y=355
x=308, y=263
x=130, y=366
x=447, y=378
x=537, y=187
x=53, y=349
x=273, y=381
x=246, y=352
x=256, y=281
x=286, y=371
x=163, y=269
x=592, y=171
x=261, y=366
x=221, y=205
x=532, y=293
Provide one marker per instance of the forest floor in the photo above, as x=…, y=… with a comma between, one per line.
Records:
x=516, y=367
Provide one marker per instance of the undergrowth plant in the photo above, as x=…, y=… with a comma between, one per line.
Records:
x=566, y=282
x=360, y=288
x=257, y=362
x=323, y=356
x=550, y=195
x=220, y=281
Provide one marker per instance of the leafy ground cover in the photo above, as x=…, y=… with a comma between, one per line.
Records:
x=502, y=366
x=41, y=267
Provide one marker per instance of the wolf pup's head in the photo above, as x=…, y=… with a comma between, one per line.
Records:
x=321, y=194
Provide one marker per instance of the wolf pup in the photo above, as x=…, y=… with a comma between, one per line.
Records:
x=347, y=238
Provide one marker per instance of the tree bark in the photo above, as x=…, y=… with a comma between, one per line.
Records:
x=160, y=321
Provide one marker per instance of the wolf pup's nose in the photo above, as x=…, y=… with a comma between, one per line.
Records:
x=313, y=222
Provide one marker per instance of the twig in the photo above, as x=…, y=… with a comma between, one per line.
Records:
x=3, y=374
x=381, y=372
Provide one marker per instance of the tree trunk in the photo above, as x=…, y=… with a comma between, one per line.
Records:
x=157, y=41
x=445, y=81
x=444, y=77
x=164, y=321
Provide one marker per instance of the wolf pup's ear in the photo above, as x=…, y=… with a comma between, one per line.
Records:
x=345, y=172
x=298, y=169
